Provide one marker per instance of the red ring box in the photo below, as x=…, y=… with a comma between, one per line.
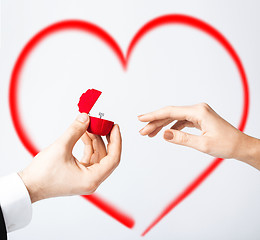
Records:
x=97, y=126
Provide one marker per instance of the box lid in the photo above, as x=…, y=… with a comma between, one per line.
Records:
x=88, y=100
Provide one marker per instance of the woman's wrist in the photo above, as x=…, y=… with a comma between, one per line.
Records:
x=248, y=150
x=254, y=153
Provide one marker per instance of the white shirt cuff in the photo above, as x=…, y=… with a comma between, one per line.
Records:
x=15, y=202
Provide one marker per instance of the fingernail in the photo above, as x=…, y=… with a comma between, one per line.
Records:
x=140, y=116
x=168, y=135
x=83, y=117
x=116, y=125
x=141, y=131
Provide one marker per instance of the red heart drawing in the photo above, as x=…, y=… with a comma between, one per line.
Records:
x=98, y=32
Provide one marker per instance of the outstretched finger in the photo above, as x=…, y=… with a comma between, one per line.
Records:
x=171, y=112
x=155, y=132
x=152, y=126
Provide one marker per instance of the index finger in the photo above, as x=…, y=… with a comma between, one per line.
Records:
x=170, y=112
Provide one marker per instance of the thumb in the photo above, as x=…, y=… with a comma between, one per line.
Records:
x=183, y=138
x=75, y=130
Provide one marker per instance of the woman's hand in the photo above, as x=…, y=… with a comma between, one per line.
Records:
x=56, y=172
x=218, y=137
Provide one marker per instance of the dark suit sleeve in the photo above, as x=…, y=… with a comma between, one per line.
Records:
x=3, y=235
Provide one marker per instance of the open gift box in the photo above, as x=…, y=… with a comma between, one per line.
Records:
x=97, y=126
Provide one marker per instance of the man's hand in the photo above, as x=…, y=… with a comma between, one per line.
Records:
x=218, y=138
x=56, y=172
